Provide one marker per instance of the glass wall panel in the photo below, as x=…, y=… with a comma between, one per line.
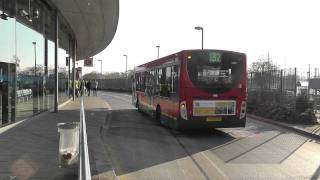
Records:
x=25, y=89
x=7, y=71
x=30, y=52
x=50, y=84
x=63, y=76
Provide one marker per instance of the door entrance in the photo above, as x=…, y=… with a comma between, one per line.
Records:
x=7, y=92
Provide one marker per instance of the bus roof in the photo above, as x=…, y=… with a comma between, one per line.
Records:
x=165, y=59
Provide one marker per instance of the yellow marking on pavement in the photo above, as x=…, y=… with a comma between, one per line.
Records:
x=183, y=171
x=65, y=103
x=108, y=105
x=214, y=165
x=123, y=177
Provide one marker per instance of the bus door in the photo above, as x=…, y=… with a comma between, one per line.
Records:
x=7, y=92
x=134, y=89
x=150, y=87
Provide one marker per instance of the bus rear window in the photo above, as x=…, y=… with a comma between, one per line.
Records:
x=215, y=71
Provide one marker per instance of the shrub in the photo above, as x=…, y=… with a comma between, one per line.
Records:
x=278, y=107
x=307, y=117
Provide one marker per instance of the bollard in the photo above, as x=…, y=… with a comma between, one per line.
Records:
x=68, y=144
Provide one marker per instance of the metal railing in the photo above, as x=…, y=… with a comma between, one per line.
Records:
x=84, y=164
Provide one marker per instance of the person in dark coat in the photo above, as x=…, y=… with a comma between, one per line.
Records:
x=88, y=85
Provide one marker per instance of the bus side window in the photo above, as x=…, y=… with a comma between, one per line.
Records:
x=143, y=83
x=175, y=78
x=162, y=82
x=168, y=83
x=152, y=82
x=137, y=81
x=158, y=81
x=174, y=82
x=140, y=81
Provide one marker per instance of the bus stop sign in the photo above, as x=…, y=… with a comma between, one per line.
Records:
x=88, y=62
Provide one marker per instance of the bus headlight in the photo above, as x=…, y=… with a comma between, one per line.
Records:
x=243, y=109
x=183, y=110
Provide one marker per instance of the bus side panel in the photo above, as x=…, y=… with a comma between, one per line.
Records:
x=142, y=99
x=169, y=108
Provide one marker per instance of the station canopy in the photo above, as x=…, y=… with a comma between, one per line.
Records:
x=94, y=23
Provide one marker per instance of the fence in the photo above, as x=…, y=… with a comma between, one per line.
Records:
x=115, y=84
x=290, y=82
x=283, y=81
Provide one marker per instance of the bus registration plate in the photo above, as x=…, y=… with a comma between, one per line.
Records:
x=214, y=119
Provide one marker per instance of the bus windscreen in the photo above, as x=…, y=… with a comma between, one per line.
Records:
x=215, y=71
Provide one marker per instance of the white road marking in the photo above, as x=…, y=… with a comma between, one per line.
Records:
x=215, y=166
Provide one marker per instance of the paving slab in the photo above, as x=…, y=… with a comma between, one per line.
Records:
x=29, y=150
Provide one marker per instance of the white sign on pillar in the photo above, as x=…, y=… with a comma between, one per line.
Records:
x=88, y=62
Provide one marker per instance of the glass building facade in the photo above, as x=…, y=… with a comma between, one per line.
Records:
x=27, y=59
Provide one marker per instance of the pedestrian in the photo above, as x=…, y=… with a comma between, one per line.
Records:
x=81, y=87
x=88, y=87
x=95, y=88
x=66, y=86
x=70, y=88
x=77, y=88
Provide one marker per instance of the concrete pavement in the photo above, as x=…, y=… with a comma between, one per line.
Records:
x=125, y=144
x=311, y=131
x=30, y=149
x=140, y=148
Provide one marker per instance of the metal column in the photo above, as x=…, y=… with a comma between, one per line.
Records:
x=69, y=58
x=73, y=69
x=46, y=75
x=56, y=46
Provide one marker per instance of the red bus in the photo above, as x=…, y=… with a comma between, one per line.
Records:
x=194, y=89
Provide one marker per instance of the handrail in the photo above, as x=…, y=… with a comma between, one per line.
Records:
x=84, y=164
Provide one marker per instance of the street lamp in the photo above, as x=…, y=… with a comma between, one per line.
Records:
x=36, y=82
x=100, y=66
x=35, y=58
x=100, y=74
x=200, y=28
x=126, y=64
x=158, y=47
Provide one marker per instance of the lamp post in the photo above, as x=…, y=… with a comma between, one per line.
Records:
x=200, y=28
x=126, y=64
x=158, y=47
x=100, y=66
x=100, y=74
x=35, y=58
x=36, y=83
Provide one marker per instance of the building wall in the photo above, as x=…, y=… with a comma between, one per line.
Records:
x=26, y=76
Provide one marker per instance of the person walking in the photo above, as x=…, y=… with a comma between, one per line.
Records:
x=88, y=87
x=81, y=87
x=70, y=88
x=66, y=88
x=77, y=88
x=95, y=87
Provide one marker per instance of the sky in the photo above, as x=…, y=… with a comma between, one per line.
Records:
x=288, y=29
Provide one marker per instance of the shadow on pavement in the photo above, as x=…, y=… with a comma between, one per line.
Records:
x=137, y=142
x=316, y=174
x=30, y=150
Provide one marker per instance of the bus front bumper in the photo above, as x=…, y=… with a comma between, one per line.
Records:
x=212, y=122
